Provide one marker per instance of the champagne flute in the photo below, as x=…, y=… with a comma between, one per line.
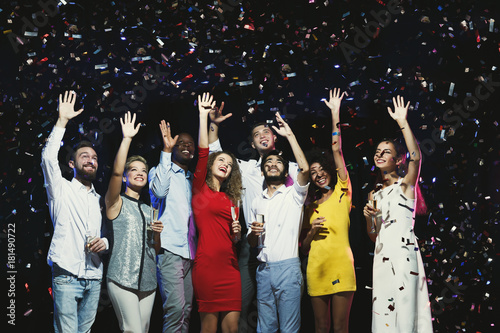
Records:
x=235, y=214
x=261, y=221
x=374, y=205
x=152, y=218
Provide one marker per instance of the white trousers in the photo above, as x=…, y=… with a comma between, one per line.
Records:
x=133, y=308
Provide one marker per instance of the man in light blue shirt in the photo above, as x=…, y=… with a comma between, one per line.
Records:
x=170, y=190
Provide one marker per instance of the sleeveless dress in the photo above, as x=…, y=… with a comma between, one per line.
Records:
x=133, y=257
x=216, y=275
x=400, y=298
x=330, y=268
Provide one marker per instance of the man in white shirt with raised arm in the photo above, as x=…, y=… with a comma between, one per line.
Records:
x=263, y=140
x=76, y=215
x=276, y=217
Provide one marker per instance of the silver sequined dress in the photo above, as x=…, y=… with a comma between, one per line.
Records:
x=133, y=258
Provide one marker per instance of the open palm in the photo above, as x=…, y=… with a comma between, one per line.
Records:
x=67, y=105
x=400, y=109
x=128, y=128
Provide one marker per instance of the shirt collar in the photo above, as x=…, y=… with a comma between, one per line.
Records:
x=278, y=190
x=79, y=185
x=178, y=169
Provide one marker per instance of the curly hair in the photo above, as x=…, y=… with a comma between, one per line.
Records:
x=232, y=186
x=325, y=159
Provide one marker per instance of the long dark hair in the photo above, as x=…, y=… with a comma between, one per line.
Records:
x=232, y=186
x=325, y=159
x=401, y=171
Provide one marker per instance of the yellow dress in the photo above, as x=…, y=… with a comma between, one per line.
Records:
x=330, y=268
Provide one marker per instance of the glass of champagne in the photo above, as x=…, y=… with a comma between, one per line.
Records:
x=89, y=237
x=261, y=221
x=375, y=218
x=235, y=214
x=152, y=218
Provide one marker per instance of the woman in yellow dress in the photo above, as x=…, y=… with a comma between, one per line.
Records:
x=331, y=280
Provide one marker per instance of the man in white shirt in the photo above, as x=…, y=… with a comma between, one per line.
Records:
x=76, y=215
x=279, y=277
x=170, y=185
x=262, y=140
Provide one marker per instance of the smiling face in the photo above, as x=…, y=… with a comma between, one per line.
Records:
x=136, y=175
x=319, y=176
x=222, y=166
x=84, y=164
x=263, y=139
x=274, y=169
x=385, y=157
x=183, y=151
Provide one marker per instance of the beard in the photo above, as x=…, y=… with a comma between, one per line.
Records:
x=87, y=175
x=273, y=179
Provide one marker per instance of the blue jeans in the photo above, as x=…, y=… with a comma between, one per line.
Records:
x=279, y=290
x=75, y=301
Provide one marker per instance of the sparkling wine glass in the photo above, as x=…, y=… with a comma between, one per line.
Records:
x=235, y=214
x=261, y=221
x=152, y=218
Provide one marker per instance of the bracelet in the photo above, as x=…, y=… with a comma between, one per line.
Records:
x=335, y=133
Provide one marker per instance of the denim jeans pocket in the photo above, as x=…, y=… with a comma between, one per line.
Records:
x=63, y=279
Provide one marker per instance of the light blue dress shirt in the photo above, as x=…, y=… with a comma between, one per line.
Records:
x=170, y=191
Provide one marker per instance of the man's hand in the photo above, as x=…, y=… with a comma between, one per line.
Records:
x=67, y=108
x=216, y=116
x=284, y=129
x=166, y=135
x=97, y=245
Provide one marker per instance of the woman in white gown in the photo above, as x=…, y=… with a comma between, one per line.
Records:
x=400, y=301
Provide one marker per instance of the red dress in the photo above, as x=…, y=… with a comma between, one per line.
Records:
x=216, y=275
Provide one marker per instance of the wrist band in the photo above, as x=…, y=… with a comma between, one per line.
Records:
x=335, y=133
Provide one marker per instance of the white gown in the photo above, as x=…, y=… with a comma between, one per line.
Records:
x=400, y=299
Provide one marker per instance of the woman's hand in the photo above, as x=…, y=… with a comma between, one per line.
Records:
x=128, y=128
x=400, y=109
x=236, y=227
x=369, y=211
x=206, y=103
x=335, y=99
x=317, y=225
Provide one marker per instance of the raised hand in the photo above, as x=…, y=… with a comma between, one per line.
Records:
x=128, y=128
x=216, y=116
x=284, y=129
x=205, y=103
x=166, y=134
x=400, y=109
x=67, y=106
x=335, y=99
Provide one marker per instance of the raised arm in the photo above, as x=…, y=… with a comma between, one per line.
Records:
x=400, y=116
x=112, y=199
x=50, y=163
x=216, y=118
x=334, y=104
x=159, y=177
x=285, y=131
x=205, y=104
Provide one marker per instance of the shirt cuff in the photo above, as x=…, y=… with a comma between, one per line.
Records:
x=215, y=146
x=105, y=240
x=165, y=158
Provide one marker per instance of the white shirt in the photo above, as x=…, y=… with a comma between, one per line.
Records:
x=283, y=221
x=74, y=211
x=170, y=191
x=253, y=180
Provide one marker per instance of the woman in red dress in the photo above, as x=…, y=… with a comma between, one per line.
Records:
x=216, y=275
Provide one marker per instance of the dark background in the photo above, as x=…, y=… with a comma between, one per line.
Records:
x=291, y=51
